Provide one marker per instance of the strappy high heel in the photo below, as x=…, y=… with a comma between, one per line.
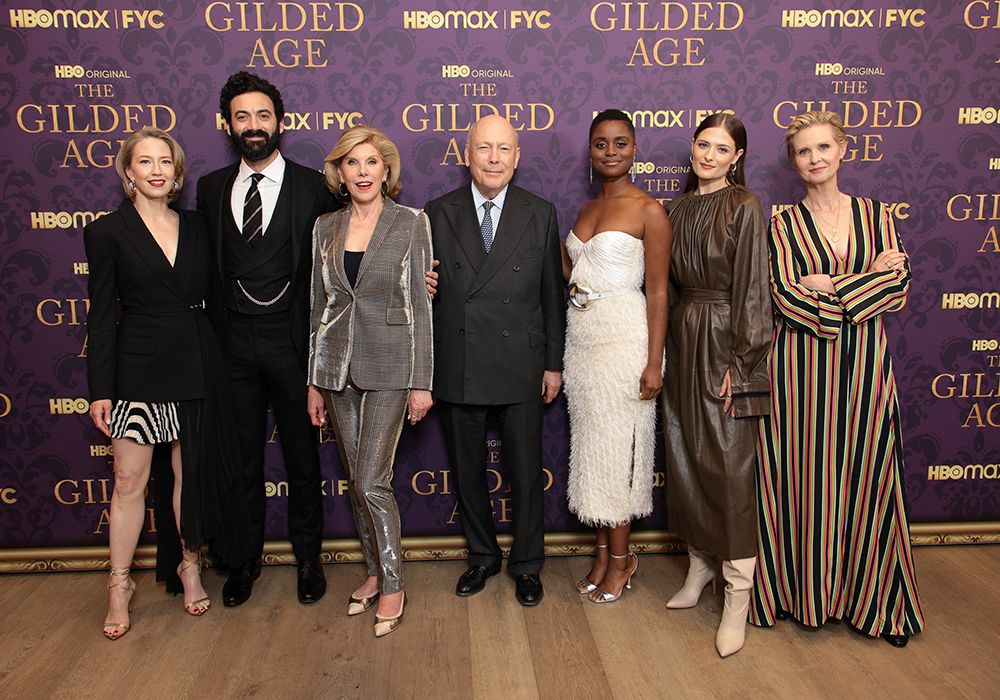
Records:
x=585, y=586
x=599, y=595
x=201, y=606
x=117, y=630
x=385, y=625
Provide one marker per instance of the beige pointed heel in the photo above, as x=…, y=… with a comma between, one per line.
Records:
x=358, y=604
x=702, y=570
x=385, y=625
x=732, y=629
x=117, y=630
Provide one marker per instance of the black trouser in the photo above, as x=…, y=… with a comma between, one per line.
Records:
x=264, y=369
x=465, y=434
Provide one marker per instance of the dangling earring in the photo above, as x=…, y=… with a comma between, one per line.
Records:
x=343, y=190
x=385, y=188
x=691, y=160
x=732, y=169
x=177, y=185
x=131, y=186
x=591, y=168
x=632, y=171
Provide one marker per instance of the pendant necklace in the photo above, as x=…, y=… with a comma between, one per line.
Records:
x=826, y=224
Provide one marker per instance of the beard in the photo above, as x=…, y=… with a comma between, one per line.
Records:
x=256, y=151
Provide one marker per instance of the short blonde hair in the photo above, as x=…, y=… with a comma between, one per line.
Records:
x=807, y=119
x=124, y=158
x=348, y=141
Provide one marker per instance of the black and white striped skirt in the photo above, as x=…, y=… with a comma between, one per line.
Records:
x=146, y=423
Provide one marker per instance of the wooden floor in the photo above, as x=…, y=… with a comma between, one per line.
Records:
x=487, y=646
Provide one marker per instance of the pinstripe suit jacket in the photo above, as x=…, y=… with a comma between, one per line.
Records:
x=499, y=319
x=377, y=334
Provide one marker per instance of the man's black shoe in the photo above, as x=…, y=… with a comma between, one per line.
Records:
x=474, y=579
x=239, y=585
x=528, y=589
x=312, y=582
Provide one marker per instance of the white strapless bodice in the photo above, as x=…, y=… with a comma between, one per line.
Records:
x=610, y=260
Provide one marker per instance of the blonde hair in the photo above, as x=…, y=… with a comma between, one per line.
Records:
x=807, y=119
x=124, y=159
x=348, y=141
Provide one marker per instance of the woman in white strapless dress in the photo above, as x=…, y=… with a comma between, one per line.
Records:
x=613, y=368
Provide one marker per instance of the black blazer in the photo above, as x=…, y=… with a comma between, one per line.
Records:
x=309, y=198
x=153, y=352
x=499, y=319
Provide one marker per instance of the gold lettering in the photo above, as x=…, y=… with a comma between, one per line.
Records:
x=991, y=240
x=950, y=389
x=103, y=521
x=74, y=495
x=453, y=153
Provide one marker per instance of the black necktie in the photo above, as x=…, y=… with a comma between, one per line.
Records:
x=486, y=228
x=253, y=211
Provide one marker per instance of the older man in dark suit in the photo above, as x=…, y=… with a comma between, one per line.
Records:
x=260, y=211
x=499, y=326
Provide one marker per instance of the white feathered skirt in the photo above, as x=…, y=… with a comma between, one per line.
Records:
x=612, y=431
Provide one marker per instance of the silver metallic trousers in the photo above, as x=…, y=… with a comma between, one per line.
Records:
x=367, y=425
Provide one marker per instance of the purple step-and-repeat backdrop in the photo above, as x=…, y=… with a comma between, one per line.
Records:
x=918, y=84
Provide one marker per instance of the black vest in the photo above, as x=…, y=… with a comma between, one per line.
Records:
x=261, y=271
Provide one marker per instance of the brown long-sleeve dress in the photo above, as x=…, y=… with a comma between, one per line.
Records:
x=720, y=320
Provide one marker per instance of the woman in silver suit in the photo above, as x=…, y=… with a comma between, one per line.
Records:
x=370, y=351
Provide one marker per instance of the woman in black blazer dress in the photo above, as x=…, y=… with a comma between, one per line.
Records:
x=153, y=364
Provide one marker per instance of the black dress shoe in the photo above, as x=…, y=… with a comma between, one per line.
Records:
x=528, y=589
x=474, y=579
x=312, y=582
x=897, y=640
x=239, y=585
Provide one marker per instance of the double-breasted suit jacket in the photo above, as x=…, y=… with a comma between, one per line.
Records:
x=378, y=332
x=303, y=197
x=499, y=318
x=153, y=353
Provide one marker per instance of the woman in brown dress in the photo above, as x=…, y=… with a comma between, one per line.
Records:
x=716, y=383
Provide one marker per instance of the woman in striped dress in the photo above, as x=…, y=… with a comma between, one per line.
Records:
x=833, y=535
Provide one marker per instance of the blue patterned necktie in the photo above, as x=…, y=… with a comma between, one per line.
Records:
x=253, y=211
x=486, y=228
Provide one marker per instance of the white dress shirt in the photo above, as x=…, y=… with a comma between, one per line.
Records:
x=269, y=188
x=495, y=212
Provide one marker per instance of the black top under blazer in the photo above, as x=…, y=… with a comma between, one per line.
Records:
x=499, y=319
x=306, y=195
x=376, y=332
x=153, y=352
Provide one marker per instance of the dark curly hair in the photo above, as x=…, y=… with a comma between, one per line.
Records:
x=242, y=83
x=611, y=115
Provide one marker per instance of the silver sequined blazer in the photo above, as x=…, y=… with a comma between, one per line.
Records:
x=378, y=334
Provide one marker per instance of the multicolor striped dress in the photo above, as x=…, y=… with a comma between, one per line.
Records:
x=833, y=534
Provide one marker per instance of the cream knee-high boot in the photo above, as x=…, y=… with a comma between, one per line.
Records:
x=739, y=583
x=702, y=569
